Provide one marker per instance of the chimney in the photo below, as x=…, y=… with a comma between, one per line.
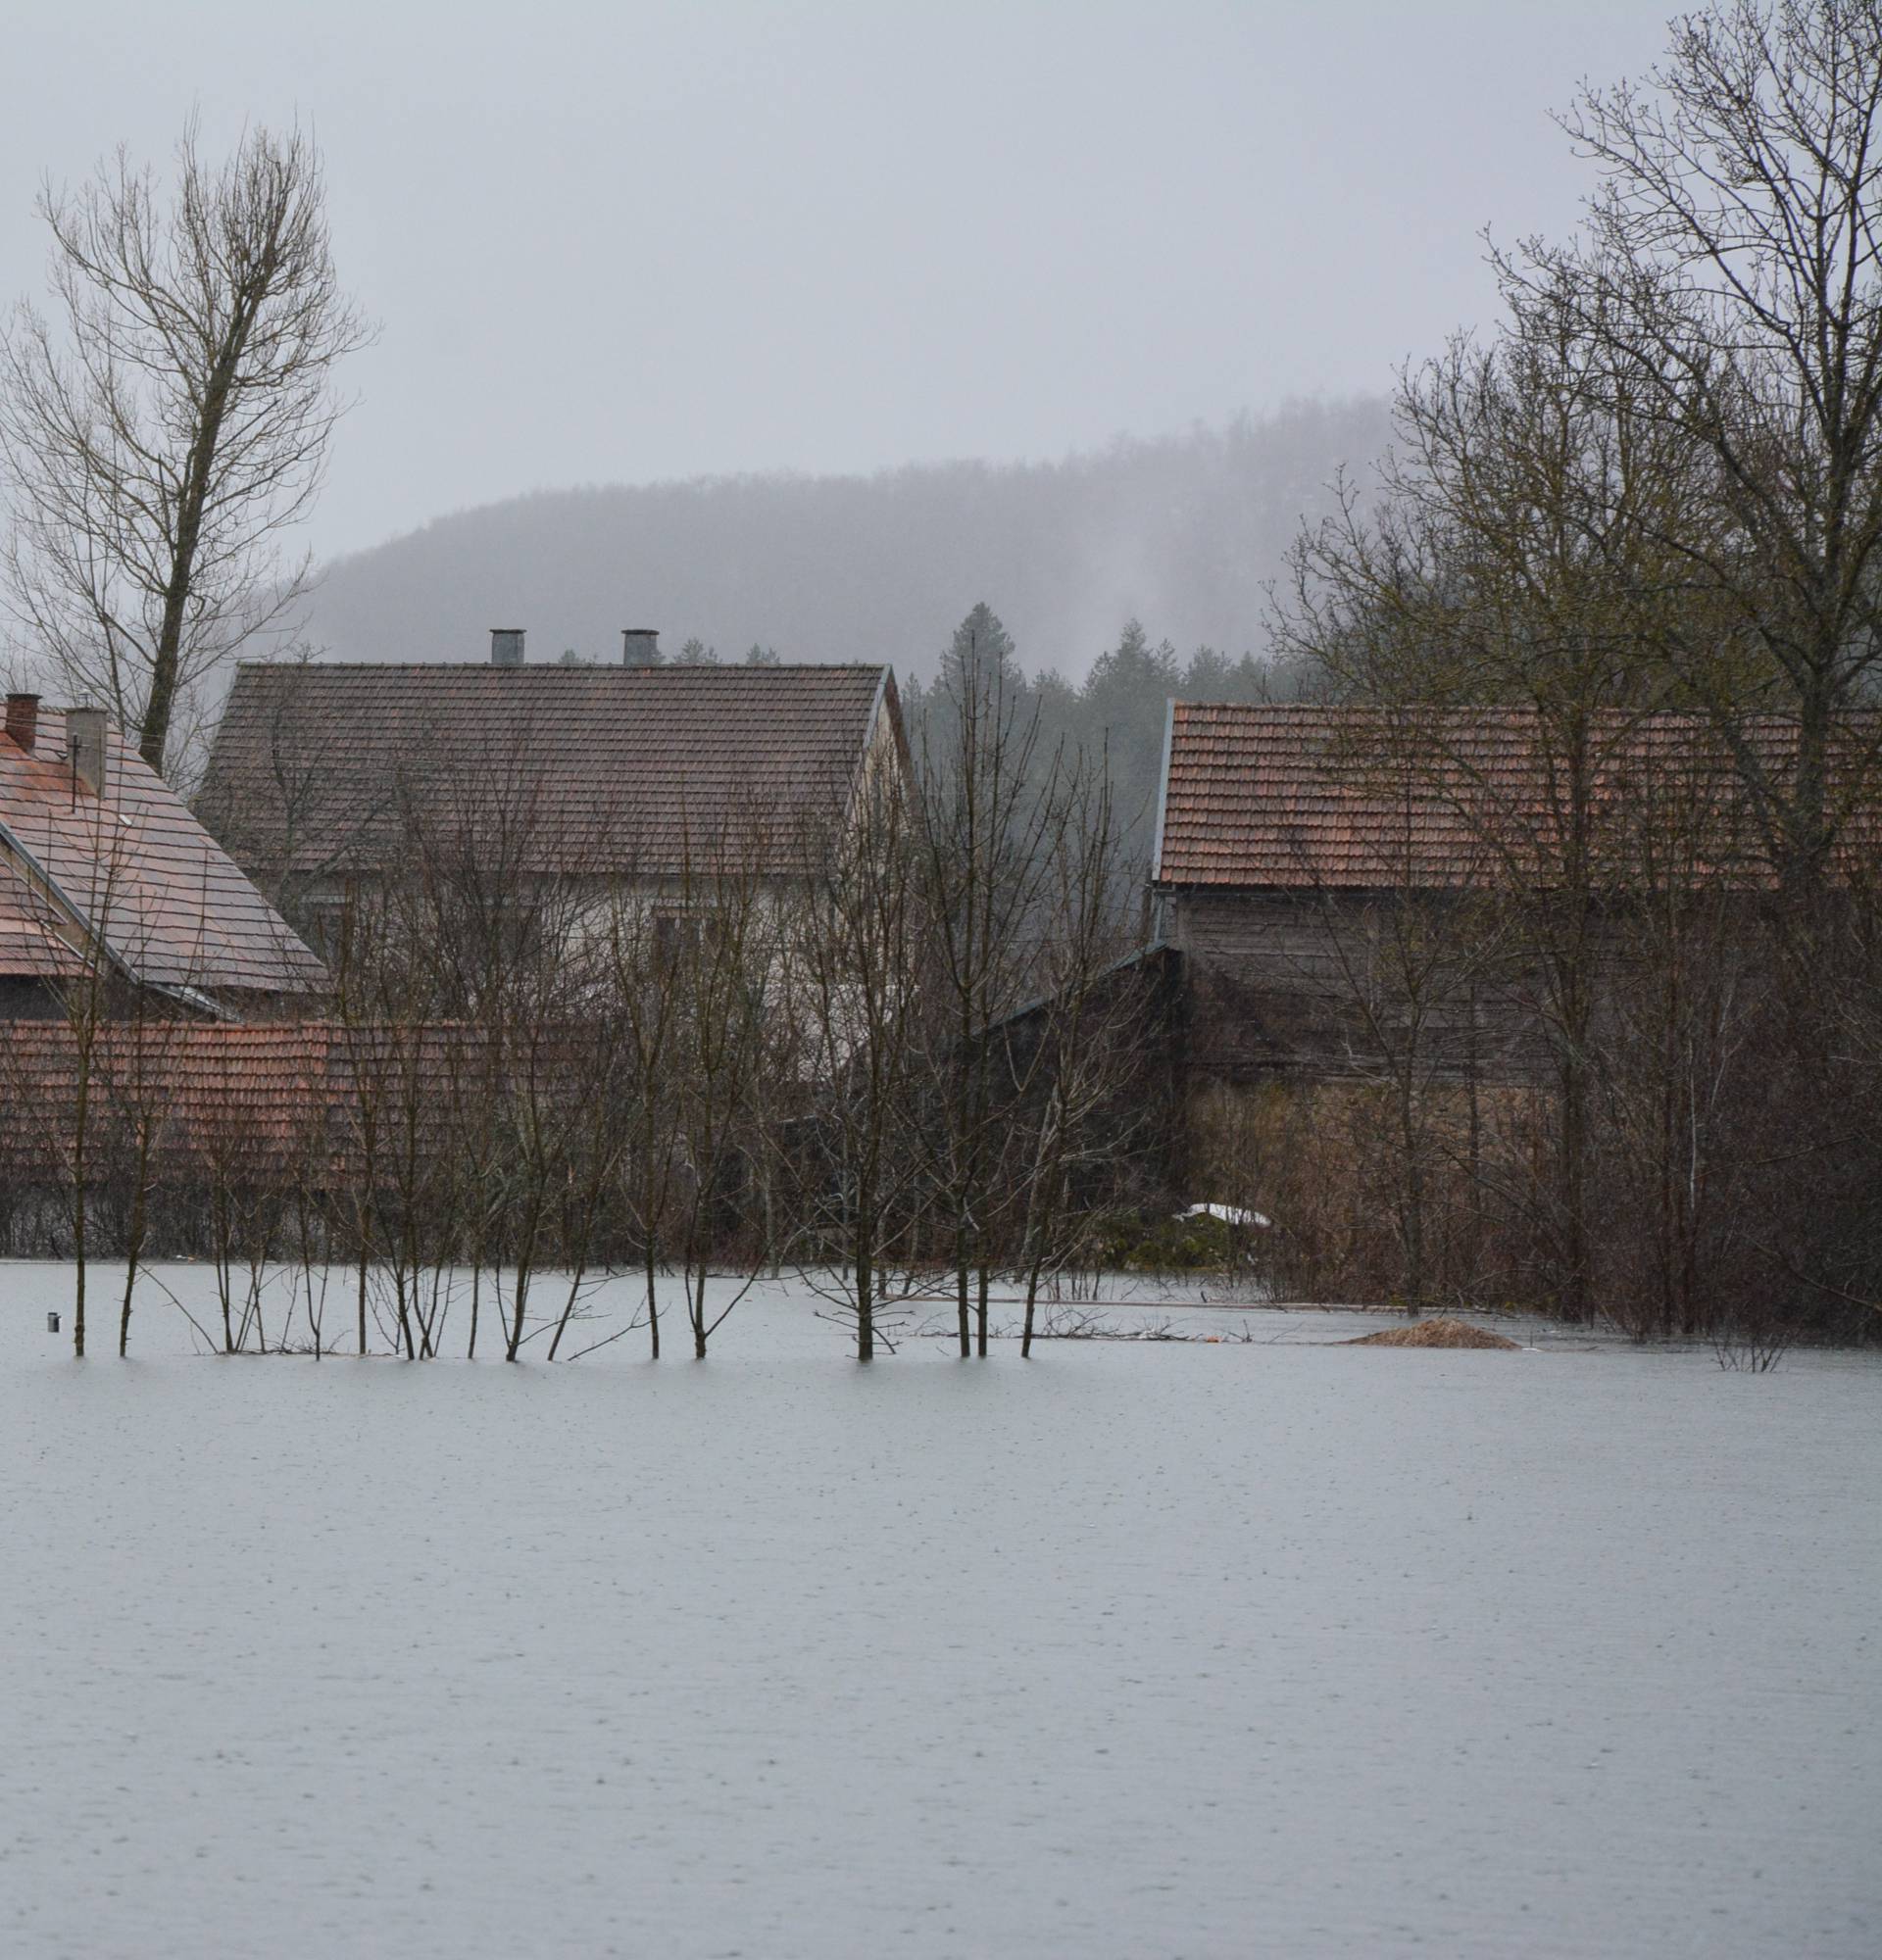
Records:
x=22, y=719
x=506, y=646
x=640, y=646
x=85, y=747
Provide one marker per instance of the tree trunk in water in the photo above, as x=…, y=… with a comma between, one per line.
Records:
x=1475, y=1143
x=135, y=1249
x=1574, y=1191
x=770, y=1221
x=568, y=1307
x=961, y=1281
x=80, y=1171
x=407, y=1283
x=1032, y=1294
x=864, y=1309
x=1414, y=1195
x=225, y=1282
x=519, y=1299
x=79, y=1277
x=653, y=1306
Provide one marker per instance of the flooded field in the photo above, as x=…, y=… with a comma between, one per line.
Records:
x=1178, y=1647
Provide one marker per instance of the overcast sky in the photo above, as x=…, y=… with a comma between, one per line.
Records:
x=626, y=241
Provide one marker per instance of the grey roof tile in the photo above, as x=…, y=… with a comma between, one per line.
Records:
x=141, y=874
x=331, y=768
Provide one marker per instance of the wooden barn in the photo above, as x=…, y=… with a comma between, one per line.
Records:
x=1337, y=882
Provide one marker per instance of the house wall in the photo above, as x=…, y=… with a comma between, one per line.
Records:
x=573, y=915
x=1335, y=987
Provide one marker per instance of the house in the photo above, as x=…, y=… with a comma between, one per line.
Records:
x=107, y=878
x=1327, y=875
x=329, y=781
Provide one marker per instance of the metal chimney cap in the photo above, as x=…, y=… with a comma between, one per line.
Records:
x=506, y=646
x=640, y=646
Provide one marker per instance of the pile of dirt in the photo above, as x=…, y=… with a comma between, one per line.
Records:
x=1442, y=1331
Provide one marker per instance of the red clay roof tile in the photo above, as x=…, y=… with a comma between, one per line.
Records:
x=1347, y=797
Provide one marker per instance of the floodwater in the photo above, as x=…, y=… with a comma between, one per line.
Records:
x=1261, y=1647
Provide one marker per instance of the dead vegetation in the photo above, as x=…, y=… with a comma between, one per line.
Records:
x=1441, y=1332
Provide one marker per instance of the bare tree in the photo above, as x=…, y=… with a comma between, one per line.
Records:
x=91, y=990
x=728, y=960
x=141, y=1088
x=645, y=990
x=169, y=419
x=1093, y=1027
x=1518, y=558
x=992, y=810
x=1730, y=290
x=1656, y=487
x=855, y=985
x=1679, y=1171
x=1409, y=964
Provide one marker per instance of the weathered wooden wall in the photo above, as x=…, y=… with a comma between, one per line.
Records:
x=1340, y=987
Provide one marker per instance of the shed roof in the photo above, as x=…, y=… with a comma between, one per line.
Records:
x=1352, y=798
x=329, y=767
x=132, y=870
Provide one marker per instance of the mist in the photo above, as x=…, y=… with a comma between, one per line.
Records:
x=1184, y=533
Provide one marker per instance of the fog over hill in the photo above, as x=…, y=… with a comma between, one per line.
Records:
x=1182, y=533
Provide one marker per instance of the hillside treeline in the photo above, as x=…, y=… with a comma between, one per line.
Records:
x=1186, y=531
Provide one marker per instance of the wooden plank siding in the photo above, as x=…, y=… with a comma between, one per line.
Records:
x=1292, y=983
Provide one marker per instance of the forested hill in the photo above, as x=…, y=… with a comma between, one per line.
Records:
x=1182, y=533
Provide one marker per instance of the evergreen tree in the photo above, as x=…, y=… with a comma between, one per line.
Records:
x=982, y=665
x=1125, y=706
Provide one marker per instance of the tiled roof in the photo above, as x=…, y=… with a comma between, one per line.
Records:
x=331, y=768
x=268, y=1101
x=30, y=945
x=1344, y=798
x=135, y=869
x=208, y=1089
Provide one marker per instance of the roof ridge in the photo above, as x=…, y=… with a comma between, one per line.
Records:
x=738, y=667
